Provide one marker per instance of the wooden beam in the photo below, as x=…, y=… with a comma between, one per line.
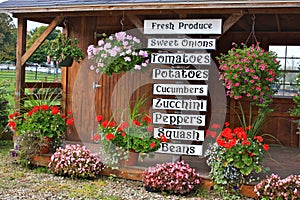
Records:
x=230, y=21
x=278, y=23
x=42, y=85
x=20, y=69
x=56, y=21
x=137, y=22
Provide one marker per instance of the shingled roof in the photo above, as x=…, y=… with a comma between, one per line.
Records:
x=28, y=6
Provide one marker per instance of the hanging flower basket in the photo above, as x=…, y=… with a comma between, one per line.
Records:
x=67, y=62
x=118, y=53
x=250, y=72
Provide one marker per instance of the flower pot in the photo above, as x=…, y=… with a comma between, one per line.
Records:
x=46, y=146
x=67, y=62
x=132, y=159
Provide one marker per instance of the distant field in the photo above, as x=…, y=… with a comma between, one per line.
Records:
x=29, y=77
x=10, y=75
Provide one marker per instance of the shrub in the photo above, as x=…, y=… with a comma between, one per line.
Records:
x=177, y=178
x=75, y=161
x=273, y=187
x=4, y=104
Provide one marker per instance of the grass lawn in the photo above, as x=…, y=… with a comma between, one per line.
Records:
x=10, y=75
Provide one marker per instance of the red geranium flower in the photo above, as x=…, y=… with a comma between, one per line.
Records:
x=96, y=137
x=112, y=124
x=215, y=126
x=210, y=133
x=105, y=123
x=245, y=143
x=99, y=118
x=12, y=124
x=54, y=110
x=147, y=119
x=259, y=138
x=44, y=107
x=150, y=128
x=123, y=134
x=266, y=147
x=227, y=124
x=152, y=145
x=163, y=138
x=135, y=122
x=123, y=126
x=70, y=121
x=109, y=136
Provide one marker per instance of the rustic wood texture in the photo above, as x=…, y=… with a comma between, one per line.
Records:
x=273, y=26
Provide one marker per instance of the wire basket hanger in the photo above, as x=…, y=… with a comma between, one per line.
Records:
x=252, y=33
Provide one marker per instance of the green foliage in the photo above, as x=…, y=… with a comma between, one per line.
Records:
x=133, y=134
x=5, y=105
x=8, y=38
x=233, y=158
x=296, y=111
x=63, y=47
x=40, y=55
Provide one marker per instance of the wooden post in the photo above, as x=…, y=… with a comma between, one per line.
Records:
x=20, y=68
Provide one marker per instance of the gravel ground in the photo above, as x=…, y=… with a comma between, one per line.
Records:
x=22, y=183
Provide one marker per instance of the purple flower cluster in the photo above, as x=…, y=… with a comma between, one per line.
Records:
x=177, y=178
x=119, y=52
x=75, y=161
x=273, y=187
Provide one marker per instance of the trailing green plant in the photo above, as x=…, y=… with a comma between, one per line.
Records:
x=233, y=158
x=273, y=187
x=63, y=47
x=75, y=161
x=28, y=145
x=177, y=178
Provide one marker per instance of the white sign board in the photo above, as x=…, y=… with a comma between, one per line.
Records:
x=180, y=89
x=181, y=58
x=183, y=26
x=180, y=134
x=180, y=149
x=169, y=43
x=180, y=74
x=179, y=104
x=178, y=119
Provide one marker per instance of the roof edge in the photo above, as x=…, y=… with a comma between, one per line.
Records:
x=153, y=6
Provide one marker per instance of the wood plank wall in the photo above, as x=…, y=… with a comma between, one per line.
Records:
x=107, y=99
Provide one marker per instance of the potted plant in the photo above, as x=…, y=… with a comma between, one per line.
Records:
x=296, y=110
x=273, y=187
x=173, y=178
x=128, y=138
x=64, y=50
x=75, y=161
x=233, y=157
x=253, y=73
x=39, y=130
x=116, y=53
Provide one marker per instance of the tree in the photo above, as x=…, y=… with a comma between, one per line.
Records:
x=8, y=38
x=41, y=53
